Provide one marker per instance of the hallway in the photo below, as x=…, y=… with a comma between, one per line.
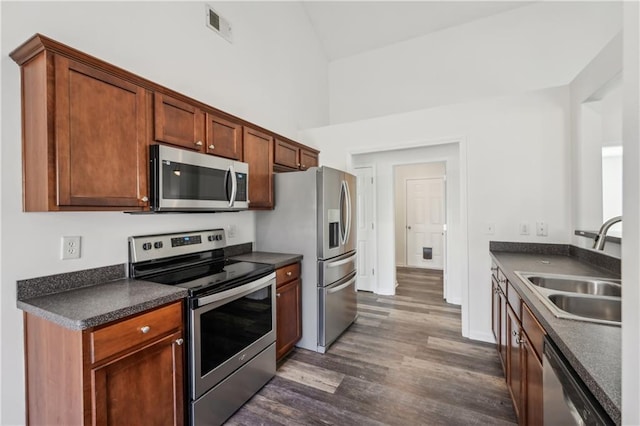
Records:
x=403, y=362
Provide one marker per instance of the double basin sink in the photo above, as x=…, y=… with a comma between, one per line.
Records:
x=579, y=298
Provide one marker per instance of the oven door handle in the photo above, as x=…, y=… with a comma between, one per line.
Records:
x=247, y=288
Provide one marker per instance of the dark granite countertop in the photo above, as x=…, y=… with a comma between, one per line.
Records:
x=83, y=299
x=593, y=350
x=92, y=306
x=278, y=260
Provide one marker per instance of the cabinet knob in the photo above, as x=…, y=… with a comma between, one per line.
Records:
x=212, y=147
x=298, y=164
x=198, y=143
x=277, y=294
x=145, y=329
x=289, y=273
x=179, y=342
x=520, y=340
x=144, y=199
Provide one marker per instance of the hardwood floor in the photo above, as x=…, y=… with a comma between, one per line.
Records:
x=403, y=362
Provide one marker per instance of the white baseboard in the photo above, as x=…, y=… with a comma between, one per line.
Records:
x=454, y=301
x=482, y=336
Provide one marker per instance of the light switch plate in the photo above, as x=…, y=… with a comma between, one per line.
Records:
x=524, y=228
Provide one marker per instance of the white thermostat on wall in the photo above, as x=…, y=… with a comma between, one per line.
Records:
x=218, y=23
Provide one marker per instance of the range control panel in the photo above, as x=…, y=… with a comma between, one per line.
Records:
x=158, y=246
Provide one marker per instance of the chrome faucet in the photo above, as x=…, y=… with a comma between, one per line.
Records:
x=598, y=243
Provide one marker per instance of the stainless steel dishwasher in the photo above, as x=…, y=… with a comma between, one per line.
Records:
x=566, y=399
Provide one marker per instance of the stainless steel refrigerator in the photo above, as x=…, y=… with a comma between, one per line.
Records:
x=315, y=216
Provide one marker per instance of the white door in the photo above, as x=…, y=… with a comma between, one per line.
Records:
x=425, y=222
x=366, y=248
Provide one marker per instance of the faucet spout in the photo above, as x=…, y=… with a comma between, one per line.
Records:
x=598, y=243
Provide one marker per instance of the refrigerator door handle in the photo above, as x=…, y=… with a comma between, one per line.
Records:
x=345, y=213
x=341, y=287
x=349, y=259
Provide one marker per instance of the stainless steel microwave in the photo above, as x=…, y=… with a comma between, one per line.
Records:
x=187, y=181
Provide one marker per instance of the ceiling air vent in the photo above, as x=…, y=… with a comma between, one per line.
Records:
x=218, y=23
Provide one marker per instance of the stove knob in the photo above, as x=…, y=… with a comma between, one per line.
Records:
x=158, y=244
x=211, y=237
x=146, y=246
x=219, y=237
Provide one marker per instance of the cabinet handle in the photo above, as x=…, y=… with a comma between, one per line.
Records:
x=289, y=273
x=520, y=340
x=212, y=147
x=144, y=199
x=145, y=329
x=179, y=342
x=515, y=333
x=502, y=280
x=494, y=269
x=198, y=143
x=277, y=294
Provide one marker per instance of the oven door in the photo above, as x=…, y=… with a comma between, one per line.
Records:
x=228, y=329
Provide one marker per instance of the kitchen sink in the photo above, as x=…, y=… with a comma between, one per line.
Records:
x=576, y=285
x=579, y=298
x=606, y=309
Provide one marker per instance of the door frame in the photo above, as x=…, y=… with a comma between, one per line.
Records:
x=457, y=246
x=374, y=218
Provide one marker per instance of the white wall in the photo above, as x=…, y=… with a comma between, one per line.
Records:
x=517, y=170
x=589, y=130
x=631, y=212
x=273, y=75
x=533, y=47
x=402, y=174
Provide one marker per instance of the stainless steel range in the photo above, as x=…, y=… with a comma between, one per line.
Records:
x=231, y=317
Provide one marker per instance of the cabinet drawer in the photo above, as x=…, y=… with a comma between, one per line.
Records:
x=514, y=300
x=533, y=329
x=143, y=328
x=287, y=273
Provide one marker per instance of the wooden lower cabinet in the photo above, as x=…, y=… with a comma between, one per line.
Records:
x=288, y=309
x=139, y=380
x=519, y=339
x=514, y=370
x=532, y=392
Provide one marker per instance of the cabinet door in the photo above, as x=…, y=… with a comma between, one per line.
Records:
x=514, y=361
x=287, y=154
x=100, y=138
x=288, y=318
x=178, y=123
x=258, y=153
x=496, y=317
x=224, y=138
x=308, y=159
x=504, y=337
x=142, y=388
x=533, y=398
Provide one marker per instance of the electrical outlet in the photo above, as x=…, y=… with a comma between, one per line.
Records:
x=541, y=229
x=524, y=228
x=70, y=248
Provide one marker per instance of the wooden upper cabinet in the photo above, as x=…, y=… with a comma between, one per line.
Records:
x=224, y=137
x=178, y=123
x=308, y=159
x=83, y=134
x=258, y=153
x=290, y=157
x=100, y=137
x=287, y=154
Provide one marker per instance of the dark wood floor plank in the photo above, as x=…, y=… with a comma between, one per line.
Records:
x=403, y=362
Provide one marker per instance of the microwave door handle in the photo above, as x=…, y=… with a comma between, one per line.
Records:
x=234, y=186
